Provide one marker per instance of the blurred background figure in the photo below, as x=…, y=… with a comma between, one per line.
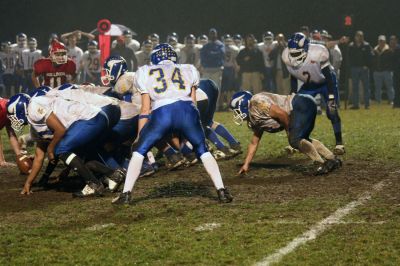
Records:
x=335, y=55
x=229, y=81
x=190, y=53
x=91, y=65
x=175, y=36
x=143, y=56
x=18, y=48
x=382, y=70
x=212, y=58
x=395, y=49
x=75, y=54
x=173, y=41
x=129, y=41
x=80, y=35
x=360, y=57
x=266, y=47
x=154, y=38
x=279, y=68
x=251, y=65
x=305, y=30
x=9, y=59
x=127, y=53
x=29, y=57
x=202, y=40
x=238, y=40
x=46, y=48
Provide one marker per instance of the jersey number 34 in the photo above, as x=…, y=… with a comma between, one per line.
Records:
x=163, y=85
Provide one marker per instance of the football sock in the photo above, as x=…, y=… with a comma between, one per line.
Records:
x=338, y=137
x=169, y=151
x=135, y=165
x=49, y=169
x=109, y=160
x=212, y=169
x=308, y=149
x=223, y=132
x=322, y=150
x=186, y=149
x=213, y=137
x=77, y=164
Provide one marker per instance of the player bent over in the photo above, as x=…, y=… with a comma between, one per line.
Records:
x=273, y=113
x=168, y=89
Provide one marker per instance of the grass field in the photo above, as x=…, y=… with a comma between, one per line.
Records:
x=176, y=219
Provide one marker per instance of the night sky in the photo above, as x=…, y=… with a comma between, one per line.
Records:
x=41, y=17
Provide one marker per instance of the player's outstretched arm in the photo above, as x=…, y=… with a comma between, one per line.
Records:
x=36, y=166
x=13, y=140
x=251, y=151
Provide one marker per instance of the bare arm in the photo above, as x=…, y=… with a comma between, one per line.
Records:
x=36, y=166
x=251, y=151
x=2, y=159
x=13, y=140
x=145, y=111
x=59, y=130
x=193, y=94
x=35, y=80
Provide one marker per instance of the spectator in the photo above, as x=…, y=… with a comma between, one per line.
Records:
x=46, y=49
x=202, y=40
x=212, y=58
x=9, y=59
x=305, y=30
x=143, y=56
x=154, y=38
x=280, y=70
x=175, y=35
x=129, y=41
x=18, y=48
x=75, y=53
x=29, y=57
x=360, y=55
x=79, y=37
x=395, y=49
x=382, y=66
x=335, y=55
x=127, y=53
x=91, y=65
x=251, y=65
x=229, y=84
x=266, y=47
x=190, y=53
x=173, y=41
x=238, y=40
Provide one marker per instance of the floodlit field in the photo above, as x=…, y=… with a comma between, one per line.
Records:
x=176, y=219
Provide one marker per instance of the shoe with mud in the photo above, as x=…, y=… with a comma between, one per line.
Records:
x=190, y=159
x=328, y=166
x=147, y=169
x=236, y=149
x=224, y=196
x=174, y=161
x=339, y=150
x=115, y=179
x=123, y=199
x=90, y=190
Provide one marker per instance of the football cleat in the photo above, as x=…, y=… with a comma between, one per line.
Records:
x=328, y=166
x=174, y=161
x=123, y=199
x=224, y=196
x=339, y=150
x=290, y=150
x=237, y=148
x=229, y=153
x=147, y=169
x=190, y=159
x=116, y=179
x=91, y=189
x=218, y=155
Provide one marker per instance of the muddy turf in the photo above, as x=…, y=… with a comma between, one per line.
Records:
x=176, y=219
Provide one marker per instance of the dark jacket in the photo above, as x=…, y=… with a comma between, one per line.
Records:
x=250, y=60
x=383, y=59
x=360, y=56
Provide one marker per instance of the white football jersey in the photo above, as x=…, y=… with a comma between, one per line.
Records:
x=29, y=58
x=82, y=96
x=310, y=71
x=75, y=54
x=40, y=108
x=167, y=82
x=201, y=95
x=91, y=62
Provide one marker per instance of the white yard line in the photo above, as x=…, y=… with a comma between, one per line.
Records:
x=207, y=227
x=320, y=227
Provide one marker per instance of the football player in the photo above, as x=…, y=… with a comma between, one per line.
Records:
x=169, y=91
x=5, y=123
x=29, y=57
x=312, y=74
x=56, y=70
x=10, y=60
x=71, y=126
x=273, y=113
x=91, y=64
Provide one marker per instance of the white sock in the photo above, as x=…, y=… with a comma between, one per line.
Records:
x=135, y=165
x=212, y=169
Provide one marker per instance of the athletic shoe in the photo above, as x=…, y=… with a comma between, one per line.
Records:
x=290, y=150
x=91, y=189
x=339, y=150
x=328, y=166
x=190, y=159
x=123, y=199
x=236, y=148
x=224, y=196
x=116, y=179
x=174, y=161
x=218, y=155
x=147, y=169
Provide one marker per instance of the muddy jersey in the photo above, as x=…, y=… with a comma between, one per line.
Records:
x=82, y=96
x=259, y=111
x=167, y=82
x=29, y=58
x=3, y=113
x=310, y=71
x=54, y=75
x=126, y=84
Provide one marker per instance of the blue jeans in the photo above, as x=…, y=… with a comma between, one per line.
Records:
x=380, y=78
x=360, y=74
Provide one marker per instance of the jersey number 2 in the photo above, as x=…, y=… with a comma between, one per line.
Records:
x=176, y=78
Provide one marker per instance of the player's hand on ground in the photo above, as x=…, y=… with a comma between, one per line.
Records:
x=7, y=164
x=243, y=170
x=26, y=190
x=51, y=157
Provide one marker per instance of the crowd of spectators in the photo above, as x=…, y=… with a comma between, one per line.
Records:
x=231, y=61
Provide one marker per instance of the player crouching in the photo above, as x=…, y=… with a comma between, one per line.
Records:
x=273, y=113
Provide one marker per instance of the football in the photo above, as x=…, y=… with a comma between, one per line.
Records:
x=24, y=163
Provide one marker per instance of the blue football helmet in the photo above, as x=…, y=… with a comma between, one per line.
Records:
x=17, y=110
x=298, y=47
x=163, y=52
x=40, y=91
x=114, y=66
x=240, y=106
